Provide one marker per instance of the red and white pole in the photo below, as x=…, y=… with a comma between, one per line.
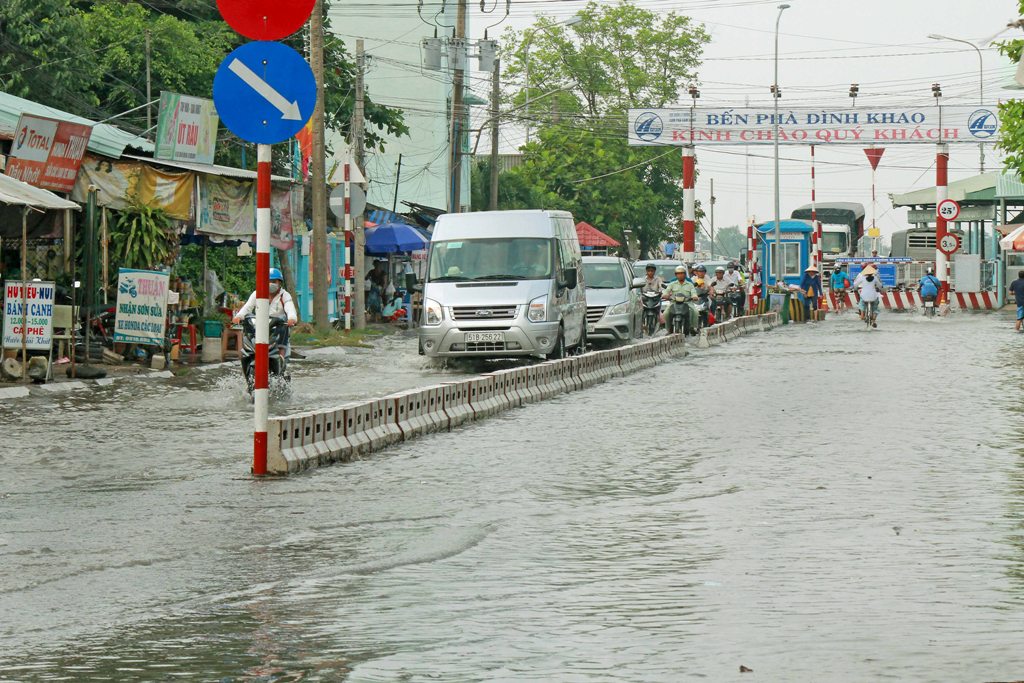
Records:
x=348, y=274
x=941, y=192
x=689, y=204
x=751, y=269
x=261, y=380
x=816, y=241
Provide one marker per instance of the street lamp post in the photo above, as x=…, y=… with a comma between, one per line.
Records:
x=775, y=138
x=981, y=87
x=574, y=19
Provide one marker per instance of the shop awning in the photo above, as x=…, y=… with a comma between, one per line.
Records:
x=16, y=195
x=208, y=169
x=108, y=140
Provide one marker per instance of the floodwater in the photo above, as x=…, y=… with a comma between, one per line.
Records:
x=818, y=503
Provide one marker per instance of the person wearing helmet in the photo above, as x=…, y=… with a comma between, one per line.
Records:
x=928, y=286
x=281, y=304
x=652, y=283
x=735, y=278
x=683, y=286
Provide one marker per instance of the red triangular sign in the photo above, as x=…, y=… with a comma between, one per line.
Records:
x=874, y=156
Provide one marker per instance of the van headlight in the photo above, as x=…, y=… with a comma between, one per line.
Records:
x=538, y=310
x=432, y=314
x=618, y=309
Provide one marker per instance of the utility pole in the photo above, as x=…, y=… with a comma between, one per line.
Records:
x=321, y=259
x=712, y=217
x=149, y=86
x=359, y=234
x=495, y=94
x=457, y=115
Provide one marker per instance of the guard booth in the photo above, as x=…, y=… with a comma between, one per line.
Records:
x=795, y=246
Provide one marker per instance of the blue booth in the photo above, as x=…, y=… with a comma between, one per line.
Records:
x=795, y=245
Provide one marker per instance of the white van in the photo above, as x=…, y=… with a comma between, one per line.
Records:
x=504, y=283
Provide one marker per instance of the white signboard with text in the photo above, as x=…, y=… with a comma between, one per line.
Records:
x=37, y=300
x=705, y=126
x=141, y=306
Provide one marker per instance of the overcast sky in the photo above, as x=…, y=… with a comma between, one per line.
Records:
x=824, y=46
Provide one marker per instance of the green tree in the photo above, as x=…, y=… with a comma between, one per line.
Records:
x=614, y=57
x=1011, y=114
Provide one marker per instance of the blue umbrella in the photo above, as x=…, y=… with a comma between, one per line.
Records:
x=391, y=238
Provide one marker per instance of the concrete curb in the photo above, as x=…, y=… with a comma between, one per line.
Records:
x=304, y=441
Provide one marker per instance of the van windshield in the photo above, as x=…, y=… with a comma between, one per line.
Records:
x=603, y=276
x=501, y=258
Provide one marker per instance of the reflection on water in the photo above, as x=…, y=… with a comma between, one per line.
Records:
x=820, y=503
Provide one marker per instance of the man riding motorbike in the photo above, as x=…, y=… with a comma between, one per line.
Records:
x=929, y=286
x=718, y=288
x=683, y=287
x=652, y=282
x=281, y=304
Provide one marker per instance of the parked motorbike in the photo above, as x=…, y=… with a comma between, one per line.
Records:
x=652, y=311
x=678, y=319
x=276, y=350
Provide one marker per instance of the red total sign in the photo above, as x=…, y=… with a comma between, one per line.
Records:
x=265, y=19
x=47, y=153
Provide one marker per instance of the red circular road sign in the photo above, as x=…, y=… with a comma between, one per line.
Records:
x=265, y=19
x=949, y=244
x=948, y=209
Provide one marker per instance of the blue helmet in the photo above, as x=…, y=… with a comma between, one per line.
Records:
x=275, y=274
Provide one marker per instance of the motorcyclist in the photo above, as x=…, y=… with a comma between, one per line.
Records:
x=281, y=305
x=683, y=286
x=839, y=282
x=734, y=275
x=717, y=287
x=929, y=286
x=652, y=282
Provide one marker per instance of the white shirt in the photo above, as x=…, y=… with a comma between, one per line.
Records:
x=718, y=285
x=733, y=278
x=869, y=291
x=280, y=303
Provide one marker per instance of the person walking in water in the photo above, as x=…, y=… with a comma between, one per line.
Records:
x=1017, y=287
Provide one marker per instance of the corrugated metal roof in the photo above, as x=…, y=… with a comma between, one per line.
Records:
x=16, y=193
x=108, y=140
x=958, y=190
x=1009, y=186
x=209, y=169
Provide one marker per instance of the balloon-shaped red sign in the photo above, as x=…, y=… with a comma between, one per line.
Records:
x=265, y=19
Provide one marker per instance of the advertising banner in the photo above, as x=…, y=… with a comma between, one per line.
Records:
x=46, y=153
x=38, y=301
x=727, y=126
x=186, y=129
x=141, y=306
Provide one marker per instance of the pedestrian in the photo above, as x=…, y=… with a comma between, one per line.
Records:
x=810, y=286
x=1017, y=287
x=378, y=280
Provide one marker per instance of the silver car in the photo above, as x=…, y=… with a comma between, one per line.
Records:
x=613, y=305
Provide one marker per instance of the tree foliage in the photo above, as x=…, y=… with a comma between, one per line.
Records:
x=1011, y=113
x=89, y=58
x=582, y=79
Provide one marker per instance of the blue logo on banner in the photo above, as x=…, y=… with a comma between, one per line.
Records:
x=264, y=92
x=648, y=126
x=983, y=123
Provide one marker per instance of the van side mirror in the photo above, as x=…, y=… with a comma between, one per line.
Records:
x=570, y=278
x=638, y=283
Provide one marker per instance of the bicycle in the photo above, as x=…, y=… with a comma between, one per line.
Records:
x=871, y=314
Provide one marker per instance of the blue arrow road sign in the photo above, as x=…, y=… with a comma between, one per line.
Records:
x=264, y=92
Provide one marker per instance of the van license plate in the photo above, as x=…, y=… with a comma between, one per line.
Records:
x=484, y=337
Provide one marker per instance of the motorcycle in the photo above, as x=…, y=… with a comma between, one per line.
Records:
x=735, y=298
x=719, y=301
x=703, y=307
x=276, y=350
x=652, y=311
x=678, y=319
x=929, y=306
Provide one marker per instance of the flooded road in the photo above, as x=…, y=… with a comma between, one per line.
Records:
x=832, y=504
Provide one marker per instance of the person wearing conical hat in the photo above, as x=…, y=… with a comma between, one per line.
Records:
x=810, y=287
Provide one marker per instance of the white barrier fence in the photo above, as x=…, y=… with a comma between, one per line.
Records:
x=306, y=440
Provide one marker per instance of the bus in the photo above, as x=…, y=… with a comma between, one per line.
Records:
x=842, y=226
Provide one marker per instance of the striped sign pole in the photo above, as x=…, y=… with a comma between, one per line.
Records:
x=941, y=192
x=261, y=383
x=349, y=241
x=689, y=204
